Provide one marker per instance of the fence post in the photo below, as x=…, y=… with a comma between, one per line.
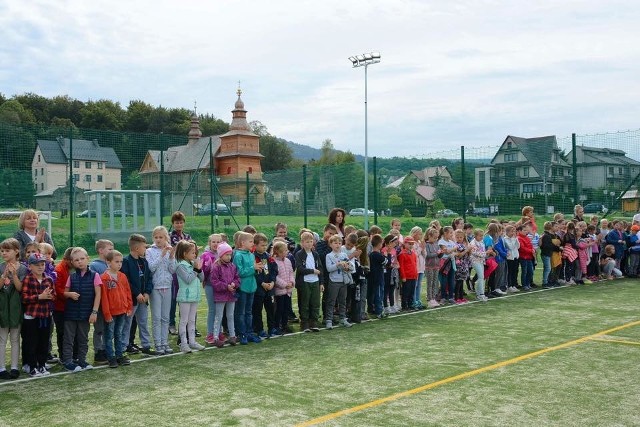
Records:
x=162, y=195
x=214, y=206
x=375, y=191
x=574, y=168
x=463, y=185
x=304, y=194
x=72, y=186
x=247, y=190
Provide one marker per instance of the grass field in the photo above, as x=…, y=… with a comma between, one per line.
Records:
x=564, y=356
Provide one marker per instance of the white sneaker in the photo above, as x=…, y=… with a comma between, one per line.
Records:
x=345, y=323
x=44, y=372
x=328, y=325
x=513, y=289
x=184, y=347
x=433, y=304
x=500, y=291
x=196, y=346
x=87, y=367
x=26, y=368
x=482, y=298
x=167, y=350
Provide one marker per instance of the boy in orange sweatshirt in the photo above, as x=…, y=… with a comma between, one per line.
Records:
x=116, y=305
x=408, y=261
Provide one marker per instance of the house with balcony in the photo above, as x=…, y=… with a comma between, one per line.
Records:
x=604, y=169
x=524, y=166
x=425, y=182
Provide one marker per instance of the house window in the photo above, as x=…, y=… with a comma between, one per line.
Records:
x=76, y=163
x=555, y=157
x=229, y=170
x=250, y=169
x=532, y=188
x=510, y=173
x=525, y=172
x=492, y=173
x=76, y=178
x=42, y=186
x=99, y=178
x=510, y=157
x=87, y=165
x=35, y=172
x=38, y=158
x=87, y=178
x=561, y=188
x=99, y=165
x=610, y=170
x=619, y=171
x=481, y=184
x=509, y=144
x=41, y=171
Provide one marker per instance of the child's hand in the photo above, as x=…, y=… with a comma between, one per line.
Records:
x=108, y=320
x=129, y=313
x=357, y=253
x=270, y=286
x=139, y=298
x=231, y=287
x=321, y=288
x=316, y=271
x=47, y=294
x=93, y=318
x=258, y=266
x=73, y=295
x=197, y=264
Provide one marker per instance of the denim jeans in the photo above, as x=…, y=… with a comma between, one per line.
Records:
x=244, y=313
x=211, y=308
x=418, y=290
x=141, y=312
x=447, y=284
x=526, y=277
x=113, y=332
x=479, y=269
x=546, y=269
x=160, y=306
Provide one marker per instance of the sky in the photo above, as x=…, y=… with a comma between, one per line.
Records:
x=452, y=73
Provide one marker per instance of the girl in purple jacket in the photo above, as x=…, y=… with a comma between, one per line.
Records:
x=225, y=282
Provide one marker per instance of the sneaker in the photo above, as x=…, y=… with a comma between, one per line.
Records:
x=123, y=361
x=345, y=323
x=254, y=338
x=84, y=365
x=244, y=340
x=196, y=346
x=132, y=349
x=221, y=336
x=198, y=334
x=26, y=369
x=44, y=372
x=262, y=334
x=275, y=331
x=571, y=282
x=432, y=303
x=147, y=350
x=547, y=286
x=482, y=298
x=500, y=292
x=382, y=315
x=513, y=289
x=526, y=288
x=100, y=358
x=113, y=363
x=184, y=347
x=35, y=373
x=160, y=351
x=328, y=325
x=167, y=350
x=210, y=339
x=293, y=319
x=451, y=301
x=72, y=367
x=218, y=343
x=52, y=358
x=533, y=285
x=4, y=375
x=232, y=340
x=562, y=282
x=173, y=330
x=14, y=374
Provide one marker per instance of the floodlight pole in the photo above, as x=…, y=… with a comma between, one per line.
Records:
x=364, y=61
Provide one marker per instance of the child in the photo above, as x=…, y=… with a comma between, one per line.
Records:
x=162, y=265
x=570, y=253
x=265, y=281
x=208, y=258
x=177, y=234
x=47, y=251
x=416, y=233
x=608, y=263
x=447, y=266
x=225, y=282
x=500, y=276
x=82, y=293
x=408, y=261
x=463, y=265
x=634, y=251
x=116, y=305
x=340, y=269
x=308, y=283
x=37, y=294
x=512, y=244
x=12, y=273
x=377, y=261
x=593, y=269
x=190, y=279
x=432, y=265
x=366, y=299
x=615, y=237
x=391, y=274
x=246, y=265
x=136, y=268
x=526, y=255
x=285, y=282
x=584, y=243
x=354, y=306
x=478, y=255
x=397, y=226
x=282, y=232
x=63, y=270
x=103, y=247
x=30, y=248
x=549, y=245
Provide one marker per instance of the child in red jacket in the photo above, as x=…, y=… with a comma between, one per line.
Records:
x=408, y=261
x=116, y=304
x=526, y=255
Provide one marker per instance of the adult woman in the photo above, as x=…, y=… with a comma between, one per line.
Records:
x=336, y=217
x=29, y=232
x=578, y=213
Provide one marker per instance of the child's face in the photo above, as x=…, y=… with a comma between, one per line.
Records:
x=37, y=268
x=417, y=236
x=178, y=226
x=160, y=239
x=80, y=261
x=47, y=256
x=459, y=238
x=29, y=251
x=479, y=237
x=191, y=254
x=281, y=232
x=348, y=245
x=10, y=255
x=327, y=234
x=282, y=253
x=511, y=232
x=396, y=225
x=247, y=244
x=115, y=264
x=307, y=244
x=139, y=249
x=335, y=245
x=105, y=250
x=525, y=231
x=448, y=234
x=408, y=245
x=261, y=247
x=213, y=243
x=226, y=257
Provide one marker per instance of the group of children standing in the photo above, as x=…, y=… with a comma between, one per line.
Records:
x=343, y=276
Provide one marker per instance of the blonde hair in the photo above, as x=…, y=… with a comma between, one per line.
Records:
x=79, y=250
x=335, y=238
x=306, y=236
x=279, y=247
x=23, y=217
x=161, y=229
x=415, y=230
x=103, y=243
x=45, y=248
x=241, y=236
x=11, y=244
x=213, y=236
x=111, y=255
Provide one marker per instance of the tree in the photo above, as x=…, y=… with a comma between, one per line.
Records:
x=276, y=152
x=343, y=157
x=133, y=181
x=103, y=114
x=138, y=116
x=39, y=106
x=65, y=107
x=211, y=125
x=258, y=128
x=12, y=111
x=328, y=156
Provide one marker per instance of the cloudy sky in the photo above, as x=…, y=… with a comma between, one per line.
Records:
x=452, y=72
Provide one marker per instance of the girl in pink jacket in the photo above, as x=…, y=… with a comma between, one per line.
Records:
x=285, y=281
x=225, y=282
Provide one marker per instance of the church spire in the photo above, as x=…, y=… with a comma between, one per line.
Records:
x=239, y=121
x=194, y=132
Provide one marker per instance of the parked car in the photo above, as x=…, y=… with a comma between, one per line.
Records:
x=446, y=212
x=360, y=212
x=593, y=208
x=221, y=208
x=118, y=212
x=86, y=213
x=480, y=212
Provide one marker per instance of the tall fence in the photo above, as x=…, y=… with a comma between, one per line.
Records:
x=108, y=183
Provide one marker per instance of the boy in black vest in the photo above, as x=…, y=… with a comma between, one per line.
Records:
x=82, y=294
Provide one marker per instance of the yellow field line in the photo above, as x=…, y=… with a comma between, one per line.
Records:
x=616, y=341
x=464, y=375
